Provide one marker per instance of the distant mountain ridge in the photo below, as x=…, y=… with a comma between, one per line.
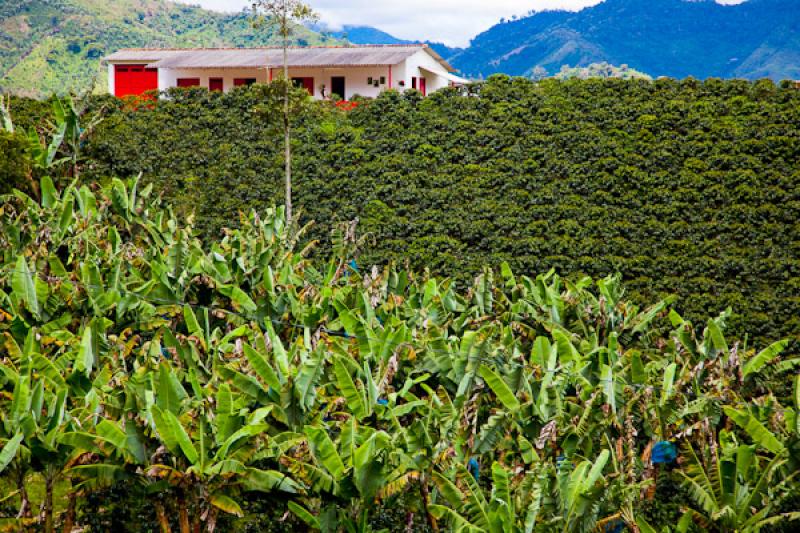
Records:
x=677, y=38
x=370, y=35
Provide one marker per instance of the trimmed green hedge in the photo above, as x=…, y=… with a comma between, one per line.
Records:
x=682, y=186
x=15, y=164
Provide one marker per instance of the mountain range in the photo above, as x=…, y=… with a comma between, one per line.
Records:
x=677, y=38
x=55, y=45
x=369, y=35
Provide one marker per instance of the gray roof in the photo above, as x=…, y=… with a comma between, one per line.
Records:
x=215, y=58
x=206, y=58
x=142, y=55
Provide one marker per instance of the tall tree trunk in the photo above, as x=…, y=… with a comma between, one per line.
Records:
x=410, y=523
x=183, y=513
x=69, y=517
x=423, y=488
x=211, y=522
x=48, y=502
x=287, y=131
x=25, y=502
x=161, y=514
x=197, y=520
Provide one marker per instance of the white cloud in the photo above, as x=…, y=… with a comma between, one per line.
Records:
x=451, y=21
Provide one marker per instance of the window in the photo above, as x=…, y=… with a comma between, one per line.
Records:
x=239, y=82
x=215, y=84
x=338, y=87
x=188, y=82
x=305, y=83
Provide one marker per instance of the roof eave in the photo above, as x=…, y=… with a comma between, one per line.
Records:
x=439, y=58
x=226, y=67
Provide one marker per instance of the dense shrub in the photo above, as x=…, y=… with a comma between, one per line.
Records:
x=683, y=186
x=15, y=166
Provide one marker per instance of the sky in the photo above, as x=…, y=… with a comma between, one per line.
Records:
x=453, y=22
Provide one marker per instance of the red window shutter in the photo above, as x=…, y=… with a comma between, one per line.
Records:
x=308, y=83
x=188, y=82
x=215, y=84
x=150, y=79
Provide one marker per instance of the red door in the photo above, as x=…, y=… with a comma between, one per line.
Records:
x=134, y=80
x=423, y=87
x=215, y=84
x=188, y=82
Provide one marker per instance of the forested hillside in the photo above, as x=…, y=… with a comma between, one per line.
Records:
x=54, y=46
x=683, y=187
x=678, y=38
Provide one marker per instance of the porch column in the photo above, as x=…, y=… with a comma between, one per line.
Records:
x=111, y=80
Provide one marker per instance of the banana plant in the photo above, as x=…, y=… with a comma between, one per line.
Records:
x=70, y=129
x=471, y=509
x=42, y=414
x=211, y=451
x=351, y=469
x=579, y=492
x=735, y=489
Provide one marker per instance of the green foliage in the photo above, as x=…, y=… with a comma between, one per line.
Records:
x=217, y=381
x=685, y=187
x=601, y=70
x=15, y=163
x=735, y=488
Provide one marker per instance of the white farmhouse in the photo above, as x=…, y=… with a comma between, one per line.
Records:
x=324, y=71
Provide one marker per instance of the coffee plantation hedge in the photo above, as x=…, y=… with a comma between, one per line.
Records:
x=682, y=186
x=14, y=163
